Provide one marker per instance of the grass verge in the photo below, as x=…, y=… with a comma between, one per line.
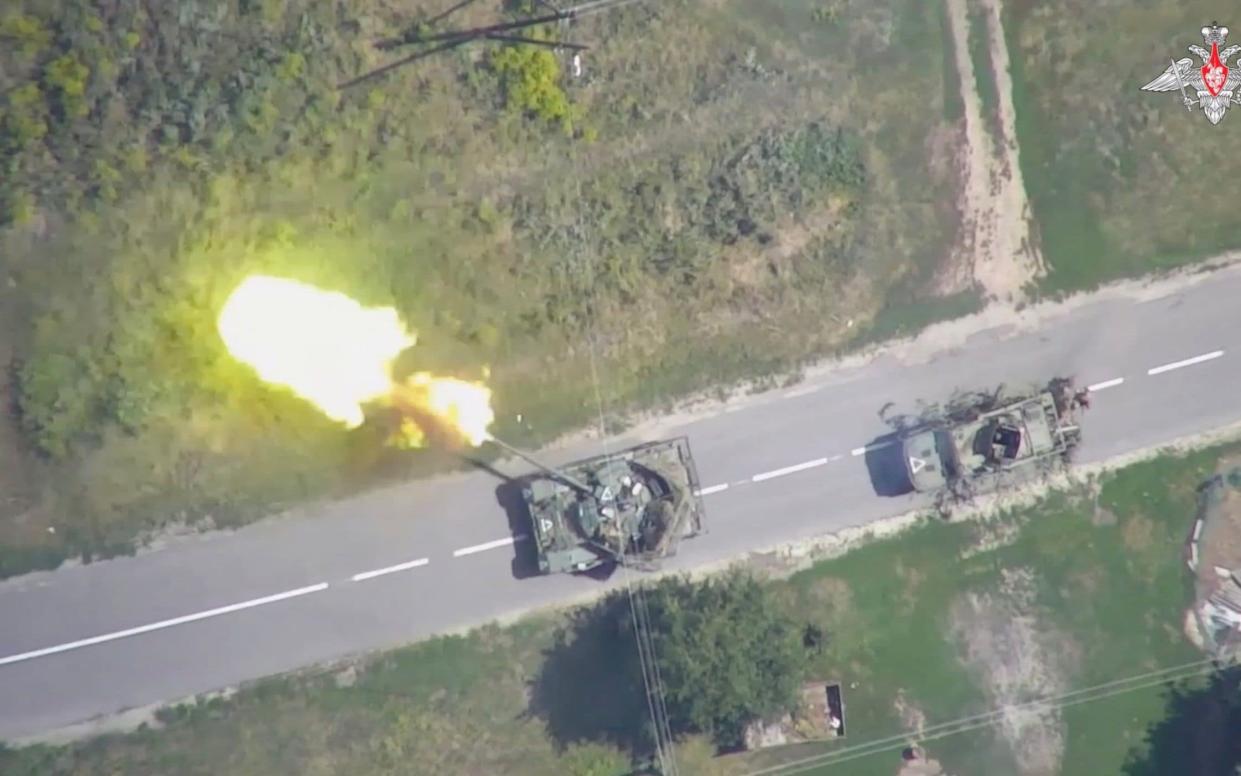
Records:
x=1111, y=170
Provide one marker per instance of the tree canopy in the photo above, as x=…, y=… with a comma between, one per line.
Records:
x=728, y=654
x=727, y=651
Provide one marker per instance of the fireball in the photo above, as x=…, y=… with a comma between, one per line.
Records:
x=461, y=405
x=336, y=354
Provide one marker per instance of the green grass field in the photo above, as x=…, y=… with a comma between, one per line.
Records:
x=1113, y=595
x=1108, y=589
x=698, y=209
x=1121, y=181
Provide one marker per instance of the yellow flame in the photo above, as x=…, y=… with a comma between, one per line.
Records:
x=338, y=355
x=463, y=405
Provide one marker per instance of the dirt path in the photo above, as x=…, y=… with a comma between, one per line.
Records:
x=995, y=239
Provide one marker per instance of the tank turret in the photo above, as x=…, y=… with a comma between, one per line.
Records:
x=985, y=440
x=632, y=507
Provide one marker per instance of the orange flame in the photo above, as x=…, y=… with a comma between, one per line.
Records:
x=338, y=355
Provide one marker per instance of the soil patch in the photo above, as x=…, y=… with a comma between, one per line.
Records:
x=1019, y=658
x=995, y=238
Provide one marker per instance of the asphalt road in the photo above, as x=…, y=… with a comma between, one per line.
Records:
x=207, y=613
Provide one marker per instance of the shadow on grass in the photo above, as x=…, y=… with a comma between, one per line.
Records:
x=885, y=463
x=590, y=686
x=1199, y=733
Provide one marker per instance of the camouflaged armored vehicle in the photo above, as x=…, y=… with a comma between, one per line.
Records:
x=984, y=440
x=632, y=507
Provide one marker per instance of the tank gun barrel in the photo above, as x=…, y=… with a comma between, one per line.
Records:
x=568, y=480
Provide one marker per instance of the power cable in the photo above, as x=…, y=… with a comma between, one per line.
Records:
x=984, y=719
x=656, y=695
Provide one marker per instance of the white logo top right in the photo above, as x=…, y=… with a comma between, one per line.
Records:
x=1213, y=83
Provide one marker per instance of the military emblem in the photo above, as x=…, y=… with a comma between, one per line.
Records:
x=1214, y=83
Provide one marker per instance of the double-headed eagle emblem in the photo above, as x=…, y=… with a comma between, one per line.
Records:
x=1213, y=82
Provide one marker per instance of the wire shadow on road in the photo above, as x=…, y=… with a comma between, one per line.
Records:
x=885, y=463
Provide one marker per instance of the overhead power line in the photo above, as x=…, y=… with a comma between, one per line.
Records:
x=498, y=32
x=972, y=722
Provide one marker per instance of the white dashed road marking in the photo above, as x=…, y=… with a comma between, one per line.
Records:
x=788, y=470
x=413, y=564
x=185, y=619
x=489, y=545
x=1105, y=384
x=868, y=448
x=270, y=599
x=1187, y=362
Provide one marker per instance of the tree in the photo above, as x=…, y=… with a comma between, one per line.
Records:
x=728, y=653
x=530, y=76
x=1199, y=733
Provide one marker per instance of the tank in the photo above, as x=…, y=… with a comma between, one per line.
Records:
x=631, y=508
x=986, y=440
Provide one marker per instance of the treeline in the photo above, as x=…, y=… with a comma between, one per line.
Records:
x=97, y=94
x=94, y=96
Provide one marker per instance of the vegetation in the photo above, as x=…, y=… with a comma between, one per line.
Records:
x=550, y=694
x=662, y=222
x=1121, y=181
x=1099, y=577
x=530, y=78
x=728, y=654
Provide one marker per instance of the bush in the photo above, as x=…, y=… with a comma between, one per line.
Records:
x=728, y=653
x=530, y=79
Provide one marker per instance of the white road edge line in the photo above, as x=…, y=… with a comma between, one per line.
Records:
x=489, y=545
x=1187, y=362
x=270, y=599
x=788, y=470
x=712, y=489
x=413, y=564
x=1105, y=384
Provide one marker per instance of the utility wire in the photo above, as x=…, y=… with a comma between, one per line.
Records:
x=639, y=611
x=989, y=722
x=656, y=695
x=975, y=721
